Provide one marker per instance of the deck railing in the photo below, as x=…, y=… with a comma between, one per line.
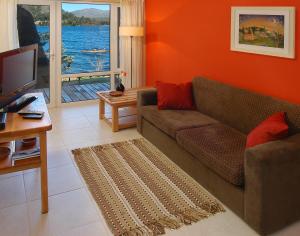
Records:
x=83, y=86
x=89, y=75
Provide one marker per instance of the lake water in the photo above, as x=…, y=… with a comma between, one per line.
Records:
x=76, y=39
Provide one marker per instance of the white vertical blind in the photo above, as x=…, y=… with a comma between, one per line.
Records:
x=132, y=14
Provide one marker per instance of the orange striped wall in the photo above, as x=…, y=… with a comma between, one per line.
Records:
x=186, y=38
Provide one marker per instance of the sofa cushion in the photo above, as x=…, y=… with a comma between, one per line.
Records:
x=171, y=121
x=168, y=99
x=239, y=108
x=219, y=147
x=272, y=129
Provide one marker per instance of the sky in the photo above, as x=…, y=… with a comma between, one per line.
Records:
x=274, y=18
x=79, y=6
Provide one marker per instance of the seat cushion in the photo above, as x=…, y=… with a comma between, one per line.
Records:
x=171, y=121
x=219, y=147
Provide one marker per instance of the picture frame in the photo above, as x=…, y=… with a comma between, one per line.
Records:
x=263, y=30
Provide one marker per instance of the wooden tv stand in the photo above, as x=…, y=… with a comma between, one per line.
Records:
x=18, y=128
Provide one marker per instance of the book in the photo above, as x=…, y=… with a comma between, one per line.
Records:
x=25, y=154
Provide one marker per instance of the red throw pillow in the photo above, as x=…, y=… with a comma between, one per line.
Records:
x=174, y=96
x=273, y=128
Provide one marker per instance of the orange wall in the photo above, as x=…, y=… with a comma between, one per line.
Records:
x=186, y=38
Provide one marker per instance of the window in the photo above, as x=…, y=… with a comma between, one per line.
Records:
x=85, y=38
x=33, y=23
x=78, y=43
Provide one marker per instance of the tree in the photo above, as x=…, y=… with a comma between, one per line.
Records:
x=66, y=60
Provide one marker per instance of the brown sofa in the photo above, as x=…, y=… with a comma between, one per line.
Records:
x=260, y=184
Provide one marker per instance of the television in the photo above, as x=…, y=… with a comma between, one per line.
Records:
x=18, y=74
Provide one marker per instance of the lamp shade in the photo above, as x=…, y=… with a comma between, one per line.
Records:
x=131, y=31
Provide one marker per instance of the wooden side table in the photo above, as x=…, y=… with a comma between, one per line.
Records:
x=18, y=128
x=119, y=121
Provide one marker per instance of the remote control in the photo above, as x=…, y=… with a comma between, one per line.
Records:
x=33, y=116
x=27, y=112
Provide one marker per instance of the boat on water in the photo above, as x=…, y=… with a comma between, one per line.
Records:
x=95, y=50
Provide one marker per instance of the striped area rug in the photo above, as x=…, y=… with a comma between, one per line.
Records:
x=140, y=191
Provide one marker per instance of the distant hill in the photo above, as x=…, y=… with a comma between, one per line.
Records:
x=92, y=13
x=89, y=16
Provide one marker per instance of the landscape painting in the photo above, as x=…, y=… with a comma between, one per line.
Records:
x=264, y=30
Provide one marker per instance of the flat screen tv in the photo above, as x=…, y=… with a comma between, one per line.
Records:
x=18, y=73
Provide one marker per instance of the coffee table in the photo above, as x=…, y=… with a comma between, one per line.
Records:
x=123, y=118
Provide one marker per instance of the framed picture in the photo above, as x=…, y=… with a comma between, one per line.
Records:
x=263, y=30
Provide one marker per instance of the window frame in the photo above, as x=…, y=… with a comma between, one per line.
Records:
x=53, y=35
x=55, y=13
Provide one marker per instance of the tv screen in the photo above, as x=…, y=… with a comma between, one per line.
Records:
x=18, y=73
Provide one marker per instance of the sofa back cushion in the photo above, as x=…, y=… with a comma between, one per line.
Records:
x=272, y=129
x=168, y=96
x=239, y=108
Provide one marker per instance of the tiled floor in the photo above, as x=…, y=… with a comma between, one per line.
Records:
x=72, y=211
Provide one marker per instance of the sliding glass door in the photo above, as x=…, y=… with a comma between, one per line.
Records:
x=85, y=65
x=35, y=26
x=78, y=47
x=88, y=61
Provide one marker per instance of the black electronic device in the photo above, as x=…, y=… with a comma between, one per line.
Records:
x=18, y=74
x=30, y=111
x=33, y=116
x=3, y=116
x=20, y=103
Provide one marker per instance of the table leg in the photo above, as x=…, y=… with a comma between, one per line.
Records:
x=115, y=119
x=101, y=109
x=44, y=174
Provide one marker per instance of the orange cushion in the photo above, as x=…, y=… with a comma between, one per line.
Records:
x=273, y=128
x=175, y=96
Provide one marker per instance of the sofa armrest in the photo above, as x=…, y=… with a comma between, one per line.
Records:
x=144, y=98
x=147, y=97
x=272, y=184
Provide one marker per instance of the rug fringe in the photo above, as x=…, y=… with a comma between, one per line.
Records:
x=76, y=151
x=192, y=215
x=140, y=231
x=170, y=223
x=212, y=208
x=155, y=228
x=186, y=217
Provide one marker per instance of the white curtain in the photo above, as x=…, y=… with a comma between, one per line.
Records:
x=132, y=14
x=8, y=25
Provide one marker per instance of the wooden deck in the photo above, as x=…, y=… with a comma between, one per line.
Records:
x=77, y=92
